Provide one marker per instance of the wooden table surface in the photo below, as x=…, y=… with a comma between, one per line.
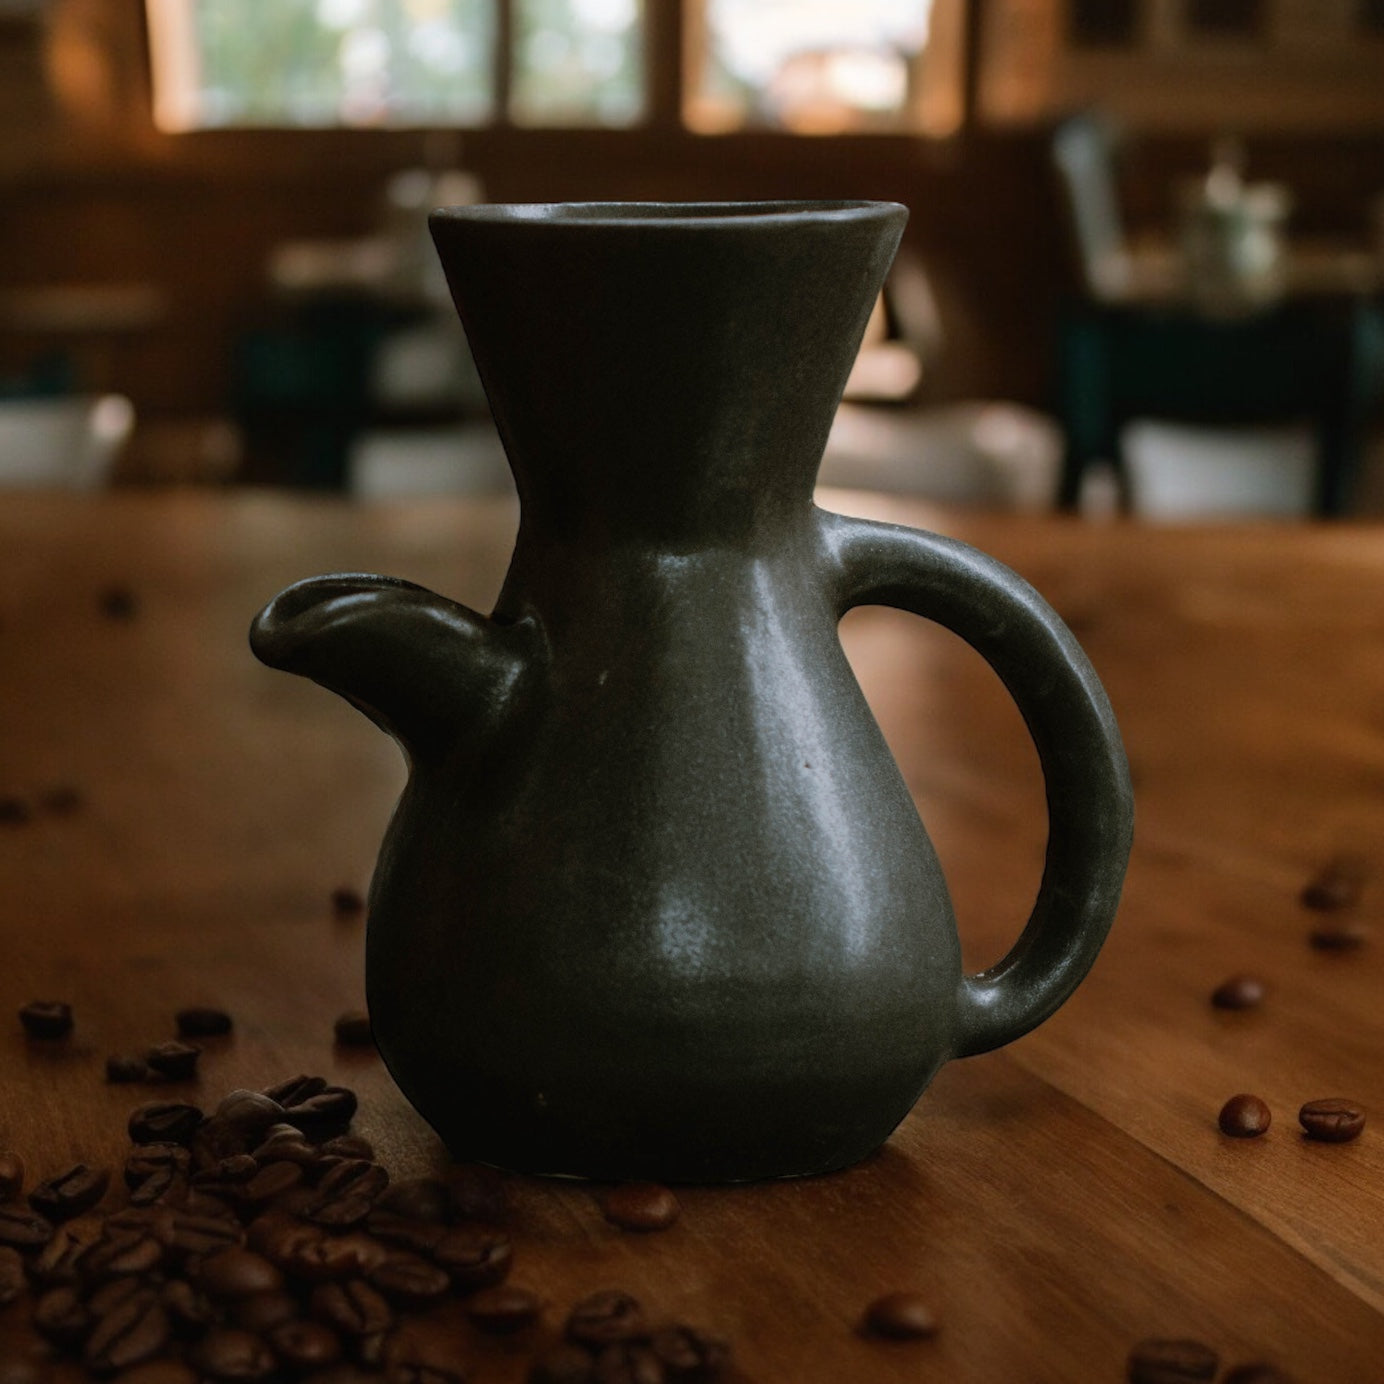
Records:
x=1056, y=1201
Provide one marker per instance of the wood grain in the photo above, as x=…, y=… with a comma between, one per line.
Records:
x=1056, y=1202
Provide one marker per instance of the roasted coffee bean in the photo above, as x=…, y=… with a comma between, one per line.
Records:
x=423, y=1353
x=352, y=1308
x=628, y=1362
x=353, y=1177
x=118, y=602
x=640, y=1206
x=62, y=1317
x=504, y=1310
x=408, y=1232
x=236, y=1170
x=1337, y=886
x=409, y=1280
x=164, y=1122
x=21, y=1229
x=603, y=1318
x=1346, y=937
x=564, y=1364
x=70, y=1193
x=165, y=1185
x=284, y=1144
x=124, y=1069
x=134, y=1331
x=329, y=1112
x=477, y=1193
x=11, y=1175
x=173, y=1061
x=899, y=1317
x=338, y=1213
x=276, y=1236
x=190, y=1311
x=1244, y=1117
x=296, y=1089
x=251, y=1112
x=1333, y=1120
x=201, y=1022
x=473, y=1256
x=348, y=1146
x=59, y=1260
x=347, y=902
x=232, y=1356
x=327, y=1258
x=237, y=1272
x=14, y=810
x=270, y=1183
x=216, y=1140
x=352, y=1030
x=111, y=1295
x=688, y=1355
x=417, y=1198
x=122, y=1255
x=153, y=1158
x=1171, y=1362
x=1239, y=992
x=196, y=1235
x=157, y=1221
x=11, y=1275
x=305, y=1345
x=1257, y=1373
x=46, y=1019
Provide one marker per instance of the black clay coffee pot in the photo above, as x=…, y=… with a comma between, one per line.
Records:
x=656, y=902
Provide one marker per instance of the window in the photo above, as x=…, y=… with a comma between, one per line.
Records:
x=394, y=62
x=826, y=67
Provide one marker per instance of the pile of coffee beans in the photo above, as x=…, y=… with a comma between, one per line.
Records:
x=266, y=1243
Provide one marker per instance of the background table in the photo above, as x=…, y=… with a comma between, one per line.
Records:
x=1056, y=1201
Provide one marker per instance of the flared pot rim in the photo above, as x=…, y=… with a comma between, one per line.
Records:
x=671, y=215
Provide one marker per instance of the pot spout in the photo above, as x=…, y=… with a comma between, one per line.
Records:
x=414, y=662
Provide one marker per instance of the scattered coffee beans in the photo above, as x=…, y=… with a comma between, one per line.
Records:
x=173, y=1061
x=347, y=902
x=1239, y=992
x=1346, y=937
x=117, y=602
x=200, y=1022
x=899, y=1317
x=1244, y=1117
x=161, y=1122
x=46, y=1019
x=265, y=1243
x=1332, y=1121
x=1336, y=886
x=1171, y=1362
x=352, y=1030
x=605, y=1317
x=126, y=1069
x=640, y=1206
x=70, y=1193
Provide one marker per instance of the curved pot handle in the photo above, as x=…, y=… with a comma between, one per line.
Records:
x=1086, y=775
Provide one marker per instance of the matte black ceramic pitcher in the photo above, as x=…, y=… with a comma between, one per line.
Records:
x=656, y=902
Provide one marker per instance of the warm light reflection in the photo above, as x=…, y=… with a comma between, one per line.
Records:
x=825, y=67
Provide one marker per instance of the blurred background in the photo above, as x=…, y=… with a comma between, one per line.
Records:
x=1144, y=269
